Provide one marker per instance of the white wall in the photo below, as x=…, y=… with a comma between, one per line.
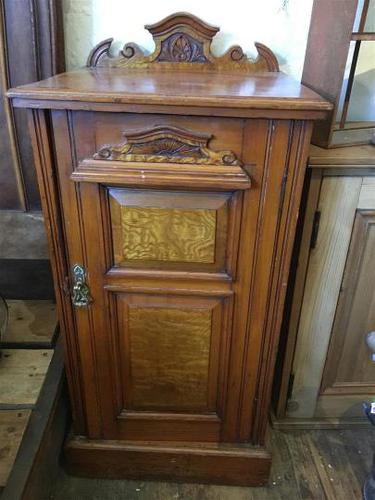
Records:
x=281, y=24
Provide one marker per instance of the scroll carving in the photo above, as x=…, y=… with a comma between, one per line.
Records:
x=167, y=145
x=181, y=47
x=184, y=39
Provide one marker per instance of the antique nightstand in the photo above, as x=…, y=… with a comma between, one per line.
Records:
x=170, y=185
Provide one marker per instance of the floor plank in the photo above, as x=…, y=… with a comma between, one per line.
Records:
x=22, y=373
x=344, y=461
x=307, y=480
x=30, y=321
x=12, y=426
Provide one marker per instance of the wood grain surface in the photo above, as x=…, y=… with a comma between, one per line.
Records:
x=167, y=229
x=30, y=321
x=353, y=157
x=183, y=41
x=356, y=314
x=22, y=373
x=162, y=144
x=169, y=357
x=332, y=360
x=168, y=234
x=31, y=48
x=264, y=91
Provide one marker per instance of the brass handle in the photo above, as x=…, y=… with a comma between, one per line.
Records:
x=80, y=293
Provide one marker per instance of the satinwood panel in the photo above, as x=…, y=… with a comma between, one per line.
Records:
x=168, y=351
x=168, y=234
x=165, y=365
x=168, y=229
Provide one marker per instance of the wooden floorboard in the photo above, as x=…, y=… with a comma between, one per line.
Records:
x=12, y=427
x=344, y=462
x=22, y=372
x=316, y=465
x=37, y=462
x=30, y=322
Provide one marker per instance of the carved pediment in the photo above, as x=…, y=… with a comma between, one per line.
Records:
x=185, y=40
x=167, y=145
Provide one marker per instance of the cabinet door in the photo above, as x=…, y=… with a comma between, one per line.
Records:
x=161, y=313
x=186, y=260
x=159, y=241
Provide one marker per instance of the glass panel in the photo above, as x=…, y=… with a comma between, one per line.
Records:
x=362, y=100
x=369, y=25
x=345, y=82
x=358, y=15
x=370, y=19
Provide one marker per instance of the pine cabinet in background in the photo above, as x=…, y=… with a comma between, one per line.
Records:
x=327, y=370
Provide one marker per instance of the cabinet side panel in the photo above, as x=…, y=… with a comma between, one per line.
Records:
x=290, y=197
x=76, y=253
x=46, y=176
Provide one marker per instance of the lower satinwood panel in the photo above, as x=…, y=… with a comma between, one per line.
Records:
x=168, y=353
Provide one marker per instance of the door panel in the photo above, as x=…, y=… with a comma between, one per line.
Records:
x=348, y=365
x=337, y=204
x=219, y=278
x=169, y=352
x=163, y=337
x=246, y=200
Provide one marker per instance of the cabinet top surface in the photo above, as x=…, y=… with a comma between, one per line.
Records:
x=182, y=71
x=118, y=85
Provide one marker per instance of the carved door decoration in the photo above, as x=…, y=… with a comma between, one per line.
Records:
x=167, y=144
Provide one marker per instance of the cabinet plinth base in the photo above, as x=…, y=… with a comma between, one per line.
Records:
x=238, y=465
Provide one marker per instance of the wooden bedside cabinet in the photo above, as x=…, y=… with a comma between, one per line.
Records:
x=171, y=184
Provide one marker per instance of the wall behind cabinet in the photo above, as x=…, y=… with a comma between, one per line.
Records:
x=31, y=48
x=281, y=24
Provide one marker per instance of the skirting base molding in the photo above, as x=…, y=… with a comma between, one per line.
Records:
x=195, y=463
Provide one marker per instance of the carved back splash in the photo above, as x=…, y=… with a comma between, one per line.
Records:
x=185, y=40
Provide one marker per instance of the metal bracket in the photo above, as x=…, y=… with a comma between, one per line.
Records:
x=315, y=229
x=80, y=293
